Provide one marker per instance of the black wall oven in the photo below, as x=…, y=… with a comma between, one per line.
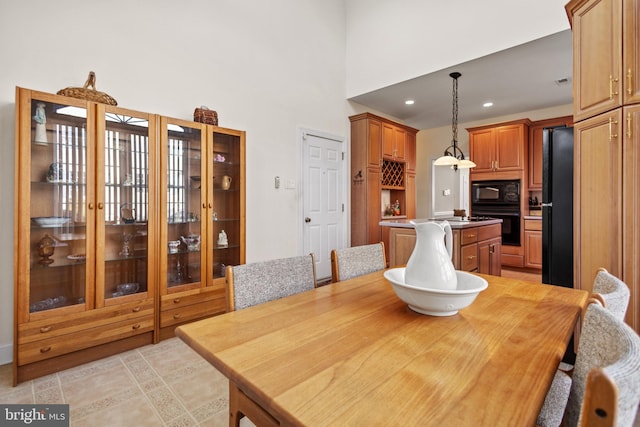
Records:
x=499, y=199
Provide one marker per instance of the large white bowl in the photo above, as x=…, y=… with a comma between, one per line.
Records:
x=437, y=302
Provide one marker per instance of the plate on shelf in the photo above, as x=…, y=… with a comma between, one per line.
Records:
x=50, y=221
x=77, y=257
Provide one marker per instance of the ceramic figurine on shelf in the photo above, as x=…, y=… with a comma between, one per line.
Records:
x=223, y=242
x=46, y=248
x=41, y=121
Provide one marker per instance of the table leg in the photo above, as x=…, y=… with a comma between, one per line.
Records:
x=240, y=405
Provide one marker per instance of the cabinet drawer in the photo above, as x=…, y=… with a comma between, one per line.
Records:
x=469, y=257
x=180, y=300
x=58, y=345
x=469, y=235
x=80, y=322
x=489, y=232
x=533, y=224
x=191, y=312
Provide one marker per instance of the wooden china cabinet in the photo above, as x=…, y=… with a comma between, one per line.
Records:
x=606, y=43
x=85, y=283
x=202, y=203
x=125, y=222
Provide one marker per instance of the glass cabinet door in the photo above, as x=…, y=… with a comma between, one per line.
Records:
x=183, y=201
x=226, y=180
x=55, y=171
x=125, y=201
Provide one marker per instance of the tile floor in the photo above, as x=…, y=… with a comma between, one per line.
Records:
x=166, y=384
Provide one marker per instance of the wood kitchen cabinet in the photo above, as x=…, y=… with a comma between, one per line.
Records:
x=393, y=142
x=536, y=130
x=202, y=179
x=382, y=162
x=475, y=248
x=533, y=243
x=606, y=45
x=85, y=277
x=498, y=148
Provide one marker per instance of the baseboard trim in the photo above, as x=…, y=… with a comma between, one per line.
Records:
x=6, y=354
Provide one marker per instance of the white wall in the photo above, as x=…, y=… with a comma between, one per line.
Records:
x=431, y=143
x=266, y=67
x=390, y=41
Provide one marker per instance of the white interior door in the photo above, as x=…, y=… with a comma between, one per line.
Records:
x=323, y=206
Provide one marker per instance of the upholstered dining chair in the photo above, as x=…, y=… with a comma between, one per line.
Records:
x=255, y=283
x=612, y=292
x=355, y=261
x=605, y=386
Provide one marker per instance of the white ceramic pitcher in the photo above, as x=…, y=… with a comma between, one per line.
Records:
x=430, y=265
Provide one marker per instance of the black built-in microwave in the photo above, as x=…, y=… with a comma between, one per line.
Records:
x=498, y=193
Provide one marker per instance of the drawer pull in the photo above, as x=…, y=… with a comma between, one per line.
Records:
x=471, y=257
x=136, y=326
x=45, y=329
x=45, y=349
x=176, y=301
x=135, y=309
x=177, y=316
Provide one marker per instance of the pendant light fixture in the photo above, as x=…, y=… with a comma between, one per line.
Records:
x=453, y=156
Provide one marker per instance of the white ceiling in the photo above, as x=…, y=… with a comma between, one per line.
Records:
x=519, y=79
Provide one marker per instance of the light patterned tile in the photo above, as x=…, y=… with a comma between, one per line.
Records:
x=45, y=383
x=83, y=371
x=167, y=405
x=200, y=385
x=135, y=411
x=109, y=403
x=99, y=385
x=212, y=409
x=49, y=395
x=141, y=370
x=185, y=420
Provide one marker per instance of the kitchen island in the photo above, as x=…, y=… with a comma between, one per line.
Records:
x=477, y=245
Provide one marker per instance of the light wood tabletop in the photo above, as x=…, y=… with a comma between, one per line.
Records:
x=352, y=353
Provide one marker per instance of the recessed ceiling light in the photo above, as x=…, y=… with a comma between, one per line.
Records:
x=409, y=102
x=487, y=104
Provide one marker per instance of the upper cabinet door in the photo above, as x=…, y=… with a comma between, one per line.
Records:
x=55, y=183
x=510, y=145
x=597, y=57
x=183, y=201
x=482, y=150
x=631, y=69
x=125, y=195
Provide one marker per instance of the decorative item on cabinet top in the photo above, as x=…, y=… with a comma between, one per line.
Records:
x=88, y=94
x=204, y=115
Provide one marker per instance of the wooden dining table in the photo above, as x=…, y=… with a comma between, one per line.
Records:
x=353, y=354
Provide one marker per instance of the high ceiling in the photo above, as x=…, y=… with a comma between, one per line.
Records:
x=527, y=77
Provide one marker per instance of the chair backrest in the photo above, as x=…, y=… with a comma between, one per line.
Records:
x=356, y=261
x=255, y=283
x=612, y=292
x=606, y=377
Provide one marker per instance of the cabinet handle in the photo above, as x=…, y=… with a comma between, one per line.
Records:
x=136, y=326
x=210, y=205
x=45, y=329
x=471, y=257
x=629, y=82
x=629, y=122
x=45, y=349
x=612, y=122
x=100, y=205
x=204, y=205
x=492, y=249
x=135, y=309
x=90, y=206
x=176, y=301
x=611, y=82
x=177, y=316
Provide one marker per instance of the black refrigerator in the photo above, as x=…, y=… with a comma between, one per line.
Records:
x=557, y=206
x=557, y=212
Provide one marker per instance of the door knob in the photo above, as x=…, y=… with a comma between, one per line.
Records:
x=307, y=219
